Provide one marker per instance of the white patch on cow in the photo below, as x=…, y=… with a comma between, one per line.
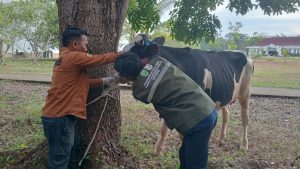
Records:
x=245, y=80
x=207, y=80
x=235, y=90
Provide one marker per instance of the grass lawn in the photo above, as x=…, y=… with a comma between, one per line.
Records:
x=274, y=72
x=25, y=66
x=269, y=71
x=273, y=131
x=20, y=110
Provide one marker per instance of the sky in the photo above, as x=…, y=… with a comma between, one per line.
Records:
x=256, y=21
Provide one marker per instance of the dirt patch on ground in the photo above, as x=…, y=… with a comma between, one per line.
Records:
x=273, y=131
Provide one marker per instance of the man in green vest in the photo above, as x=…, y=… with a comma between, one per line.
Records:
x=179, y=100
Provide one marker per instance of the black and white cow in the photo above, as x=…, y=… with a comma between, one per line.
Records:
x=225, y=76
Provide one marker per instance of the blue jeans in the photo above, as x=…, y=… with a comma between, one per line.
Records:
x=60, y=133
x=193, y=153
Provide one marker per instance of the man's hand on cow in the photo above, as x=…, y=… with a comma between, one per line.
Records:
x=108, y=80
x=115, y=79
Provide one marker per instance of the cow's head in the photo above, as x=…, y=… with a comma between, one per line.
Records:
x=143, y=46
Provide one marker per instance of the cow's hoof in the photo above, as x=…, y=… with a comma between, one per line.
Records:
x=158, y=150
x=244, y=148
x=244, y=145
x=221, y=142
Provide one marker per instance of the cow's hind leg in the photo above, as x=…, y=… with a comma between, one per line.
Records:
x=244, y=99
x=245, y=121
x=159, y=145
x=180, y=137
x=225, y=116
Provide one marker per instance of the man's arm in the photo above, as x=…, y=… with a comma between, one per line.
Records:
x=102, y=81
x=85, y=60
x=93, y=83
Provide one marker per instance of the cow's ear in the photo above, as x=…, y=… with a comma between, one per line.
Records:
x=159, y=40
x=152, y=49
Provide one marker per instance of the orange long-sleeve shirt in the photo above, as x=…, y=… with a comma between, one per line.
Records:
x=70, y=83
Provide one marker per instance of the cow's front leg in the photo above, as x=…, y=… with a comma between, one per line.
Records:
x=225, y=116
x=159, y=145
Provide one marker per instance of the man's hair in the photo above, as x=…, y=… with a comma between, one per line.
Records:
x=128, y=65
x=70, y=34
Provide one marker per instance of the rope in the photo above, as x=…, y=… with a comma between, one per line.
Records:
x=98, y=125
x=103, y=95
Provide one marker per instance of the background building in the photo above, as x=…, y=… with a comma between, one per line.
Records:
x=273, y=46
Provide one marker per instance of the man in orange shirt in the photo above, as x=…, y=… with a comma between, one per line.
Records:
x=66, y=99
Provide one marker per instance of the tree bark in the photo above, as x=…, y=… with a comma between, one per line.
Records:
x=103, y=21
x=1, y=52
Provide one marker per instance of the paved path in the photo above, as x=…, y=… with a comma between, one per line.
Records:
x=258, y=91
x=27, y=77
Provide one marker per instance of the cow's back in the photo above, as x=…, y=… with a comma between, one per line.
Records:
x=224, y=66
x=185, y=60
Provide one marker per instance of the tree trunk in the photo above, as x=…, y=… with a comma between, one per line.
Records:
x=103, y=20
x=1, y=52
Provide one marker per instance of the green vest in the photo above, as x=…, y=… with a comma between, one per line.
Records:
x=179, y=100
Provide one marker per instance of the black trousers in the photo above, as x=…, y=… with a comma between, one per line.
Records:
x=193, y=153
x=61, y=136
